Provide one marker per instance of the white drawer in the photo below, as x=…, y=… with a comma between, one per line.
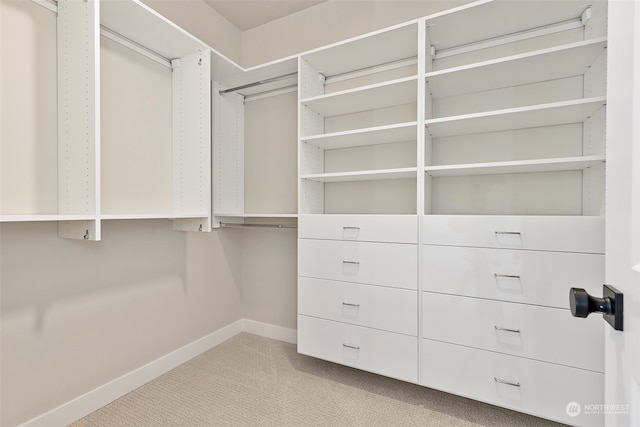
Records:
x=541, y=333
x=532, y=277
x=389, y=309
x=385, y=353
x=553, y=233
x=545, y=389
x=372, y=228
x=386, y=264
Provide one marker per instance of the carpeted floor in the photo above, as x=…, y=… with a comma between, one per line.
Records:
x=254, y=381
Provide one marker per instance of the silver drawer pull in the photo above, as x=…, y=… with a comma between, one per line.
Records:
x=351, y=262
x=508, y=232
x=346, y=227
x=499, y=381
x=498, y=328
x=507, y=276
x=353, y=347
x=351, y=304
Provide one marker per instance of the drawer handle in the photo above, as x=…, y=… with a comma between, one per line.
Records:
x=500, y=381
x=498, y=328
x=351, y=304
x=508, y=232
x=347, y=227
x=507, y=276
x=353, y=347
x=351, y=262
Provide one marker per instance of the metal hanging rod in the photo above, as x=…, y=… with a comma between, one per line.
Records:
x=261, y=82
x=240, y=225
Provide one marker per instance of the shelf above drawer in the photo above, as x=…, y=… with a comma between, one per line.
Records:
x=371, y=97
x=556, y=113
x=363, y=137
x=546, y=64
x=372, y=175
x=520, y=166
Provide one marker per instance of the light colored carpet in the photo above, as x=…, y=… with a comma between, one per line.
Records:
x=254, y=381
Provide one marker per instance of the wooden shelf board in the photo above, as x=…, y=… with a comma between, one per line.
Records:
x=376, y=48
x=387, y=94
x=107, y=217
x=372, y=175
x=363, y=137
x=257, y=215
x=546, y=64
x=556, y=113
x=46, y=217
x=520, y=166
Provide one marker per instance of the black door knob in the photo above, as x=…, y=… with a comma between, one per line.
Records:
x=610, y=305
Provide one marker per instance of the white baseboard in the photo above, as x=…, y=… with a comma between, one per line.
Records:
x=270, y=331
x=85, y=404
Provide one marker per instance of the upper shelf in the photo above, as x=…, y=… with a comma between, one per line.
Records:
x=541, y=65
x=361, y=137
x=556, y=113
x=367, y=175
x=486, y=20
x=371, y=97
x=381, y=47
x=147, y=28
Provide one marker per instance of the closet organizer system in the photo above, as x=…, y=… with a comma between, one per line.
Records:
x=450, y=185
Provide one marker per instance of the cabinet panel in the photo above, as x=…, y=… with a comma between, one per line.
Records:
x=537, y=388
x=386, y=264
x=541, y=333
x=532, y=277
x=394, y=310
x=570, y=234
x=373, y=228
x=384, y=353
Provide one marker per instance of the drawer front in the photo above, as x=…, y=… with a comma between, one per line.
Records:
x=553, y=233
x=532, y=277
x=385, y=353
x=541, y=333
x=372, y=228
x=545, y=389
x=389, y=309
x=386, y=264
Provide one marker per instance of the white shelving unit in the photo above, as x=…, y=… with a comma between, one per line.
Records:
x=81, y=168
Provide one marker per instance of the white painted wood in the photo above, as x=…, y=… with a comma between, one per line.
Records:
x=518, y=166
x=144, y=26
x=545, y=64
x=553, y=233
x=378, y=307
x=530, y=277
x=154, y=215
x=192, y=140
x=362, y=137
x=373, y=175
x=385, y=353
x=542, y=331
x=45, y=217
x=545, y=390
x=386, y=264
x=376, y=48
x=270, y=331
x=371, y=228
x=379, y=95
x=555, y=113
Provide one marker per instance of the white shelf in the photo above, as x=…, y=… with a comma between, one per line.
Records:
x=371, y=97
x=370, y=175
x=520, y=166
x=144, y=26
x=540, y=65
x=153, y=216
x=556, y=113
x=363, y=137
x=46, y=217
x=486, y=21
x=256, y=215
x=377, y=48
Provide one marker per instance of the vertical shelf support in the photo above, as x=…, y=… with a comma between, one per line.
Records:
x=78, y=44
x=192, y=140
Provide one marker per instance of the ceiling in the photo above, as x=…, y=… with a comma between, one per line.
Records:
x=247, y=14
